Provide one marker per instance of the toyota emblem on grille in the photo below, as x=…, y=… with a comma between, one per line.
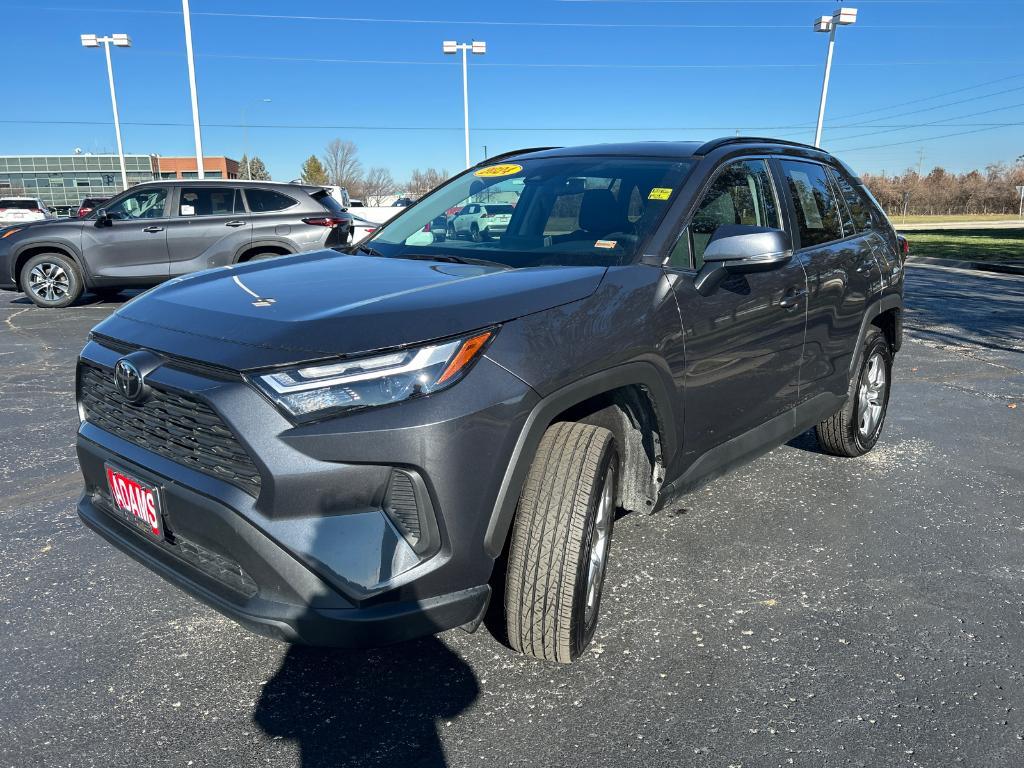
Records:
x=128, y=380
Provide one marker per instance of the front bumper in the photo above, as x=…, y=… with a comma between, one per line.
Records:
x=311, y=557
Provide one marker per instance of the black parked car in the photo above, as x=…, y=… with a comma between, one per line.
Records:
x=162, y=229
x=356, y=450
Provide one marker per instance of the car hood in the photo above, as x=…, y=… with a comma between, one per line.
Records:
x=326, y=304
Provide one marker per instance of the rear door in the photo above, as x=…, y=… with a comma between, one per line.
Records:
x=209, y=227
x=744, y=341
x=130, y=246
x=840, y=267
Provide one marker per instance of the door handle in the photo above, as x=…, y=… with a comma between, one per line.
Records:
x=791, y=299
x=235, y=223
x=153, y=229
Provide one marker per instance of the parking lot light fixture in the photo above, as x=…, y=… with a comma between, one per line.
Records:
x=841, y=18
x=120, y=40
x=478, y=47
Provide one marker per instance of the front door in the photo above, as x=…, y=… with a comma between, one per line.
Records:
x=208, y=229
x=129, y=245
x=744, y=342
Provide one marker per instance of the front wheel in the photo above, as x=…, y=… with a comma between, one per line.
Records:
x=474, y=234
x=560, y=542
x=854, y=429
x=51, y=280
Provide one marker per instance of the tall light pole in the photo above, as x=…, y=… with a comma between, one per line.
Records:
x=245, y=135
x=121, y=41
x=192, y=88
x=478, y=47
x=841, y=18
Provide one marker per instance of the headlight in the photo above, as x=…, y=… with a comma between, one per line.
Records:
x=310, y=391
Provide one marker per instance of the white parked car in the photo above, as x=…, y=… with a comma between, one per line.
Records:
x=480, y=221
x=19, y=210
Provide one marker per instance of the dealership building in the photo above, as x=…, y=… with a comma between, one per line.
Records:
x=61, y=181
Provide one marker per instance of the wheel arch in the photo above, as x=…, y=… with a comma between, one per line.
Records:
x=245, y=252
x=885, y=313
x=34, y=249
x=628, y=400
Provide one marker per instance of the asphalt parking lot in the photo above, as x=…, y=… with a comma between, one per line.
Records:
x=804, y=610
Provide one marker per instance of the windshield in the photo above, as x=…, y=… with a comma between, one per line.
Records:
x=566, y=211
x=27, y=205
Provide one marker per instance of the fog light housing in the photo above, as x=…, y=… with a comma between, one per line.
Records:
x=407, y=505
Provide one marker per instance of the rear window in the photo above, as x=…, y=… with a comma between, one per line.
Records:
x=267, y=200
x=24, y=204
x=328, y=202
x=499, y=208
x=209, y=201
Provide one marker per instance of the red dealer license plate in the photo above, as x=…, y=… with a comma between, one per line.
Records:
x=138, y=502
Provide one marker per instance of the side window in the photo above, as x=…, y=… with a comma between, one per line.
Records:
x=860, y=208
x=146, y=203
x=816, y=207
x=267, y=200
x=742, y=193
x=209, y=201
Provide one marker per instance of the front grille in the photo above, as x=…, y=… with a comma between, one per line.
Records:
x=175, y=426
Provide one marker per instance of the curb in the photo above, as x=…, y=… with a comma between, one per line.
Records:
x=982, y=266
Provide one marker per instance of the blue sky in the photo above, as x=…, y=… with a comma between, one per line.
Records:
x=556, y=72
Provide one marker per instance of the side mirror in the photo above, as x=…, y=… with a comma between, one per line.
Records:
x=739, y=248
x=103, y=218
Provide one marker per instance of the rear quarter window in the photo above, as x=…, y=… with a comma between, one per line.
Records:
x=268, y=200
x=328, y=202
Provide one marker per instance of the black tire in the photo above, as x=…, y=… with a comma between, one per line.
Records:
x=550, y=612
x=51, y=280
x=451, y=232
x=854, y=429
x=474, y=233
x=261, y=255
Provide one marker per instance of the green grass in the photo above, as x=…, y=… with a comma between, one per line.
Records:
x=897, y=220
x=968, y=244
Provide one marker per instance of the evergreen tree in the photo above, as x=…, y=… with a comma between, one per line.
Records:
x=313, y=171
x=257, y=170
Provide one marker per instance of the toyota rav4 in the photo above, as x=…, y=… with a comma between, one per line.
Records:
x=359, y=447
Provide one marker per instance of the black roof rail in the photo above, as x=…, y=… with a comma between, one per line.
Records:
x=710, y=146
x=510, y=153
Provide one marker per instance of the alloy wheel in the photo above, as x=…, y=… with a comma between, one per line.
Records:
x=871, y=395
x=49, y=281
x=599, y=544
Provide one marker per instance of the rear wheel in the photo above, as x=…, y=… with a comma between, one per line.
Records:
x=854, y=429
x=51, y=280
x=560, y=542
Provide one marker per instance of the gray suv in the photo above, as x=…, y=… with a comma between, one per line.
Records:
x=161, y=229
x=355, y=450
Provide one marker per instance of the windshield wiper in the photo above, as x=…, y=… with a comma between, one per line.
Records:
x=453, y=259
x=367, y=249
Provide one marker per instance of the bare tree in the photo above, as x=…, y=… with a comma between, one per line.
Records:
x=341, y=161
x=378, y=185
x=424, y=181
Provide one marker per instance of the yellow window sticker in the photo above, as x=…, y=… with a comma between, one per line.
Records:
x=660, y=193
x=506, y=169
x=606, y=243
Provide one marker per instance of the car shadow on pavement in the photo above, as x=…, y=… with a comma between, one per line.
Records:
x=367, y=708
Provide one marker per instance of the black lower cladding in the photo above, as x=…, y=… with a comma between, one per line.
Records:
x=174, y=425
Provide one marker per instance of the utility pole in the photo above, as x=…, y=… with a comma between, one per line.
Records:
x=478, y=47
x=842, y=17
x=192, y=88
x=120, y=40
